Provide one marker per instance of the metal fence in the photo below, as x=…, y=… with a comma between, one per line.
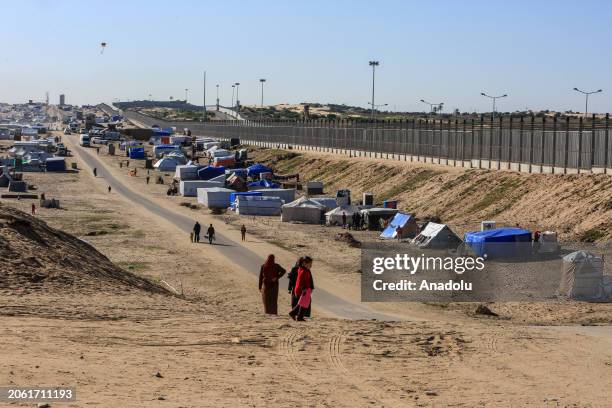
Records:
x=521, y=143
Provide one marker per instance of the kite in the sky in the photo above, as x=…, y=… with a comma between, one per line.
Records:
x=103, y=45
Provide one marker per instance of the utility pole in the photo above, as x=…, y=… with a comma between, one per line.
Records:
x=586, y=102
x=373, y=64
x=217, y=97
x=204, y=104
x=233, y=87
x=433, y=107
x=262, y=80
x=237, y=98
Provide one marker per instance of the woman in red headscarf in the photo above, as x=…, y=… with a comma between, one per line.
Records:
x=303, y=290
x=269, y=275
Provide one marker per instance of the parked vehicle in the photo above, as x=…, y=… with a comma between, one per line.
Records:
x=67, y=131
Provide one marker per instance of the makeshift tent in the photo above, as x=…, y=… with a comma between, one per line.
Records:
x=334, y=217
x=166, y=164
x=186, y=172
x=257, y=169
x=438, y=236
x=235, y=195
x=162, y=149
x=137, y=153
x=221, y=153
x=328, y=202
x=314, y=187
x=178, y=156
x=406, y=222
x=5, y=179
x=236, y=183
x=263, y=183
x=17, y=186
x=188, y=188
x=375, y=218
x=239, y=172
x=499, y=242
x=55, y=164
x=302, y=210
x=582, y=276
x=208, y=172
x=258, y=205
x=227, y=161
x=215, y=197
x=548, y=243
x=285, y=194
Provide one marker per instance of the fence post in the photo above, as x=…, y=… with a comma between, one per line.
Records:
x=566, y=159
x=554, y=150
x=607, y=163
x=531, y=143
x=592, y=142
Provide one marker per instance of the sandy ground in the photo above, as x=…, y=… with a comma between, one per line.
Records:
x=215, y=348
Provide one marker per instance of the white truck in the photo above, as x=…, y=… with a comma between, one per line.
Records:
x=84, y=140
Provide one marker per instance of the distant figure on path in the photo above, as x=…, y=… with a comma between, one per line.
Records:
x=269, y=274
x=398, y=232
x=243, y=232
x=33, y=209
x=95, y=172
x=148, y=178
x=196, y=232
x=97, y=150
x=211, y=234
x=343, y=219
x=303, y=290
x=109, y=189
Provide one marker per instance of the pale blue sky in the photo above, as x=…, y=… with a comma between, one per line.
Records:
x=316, y=51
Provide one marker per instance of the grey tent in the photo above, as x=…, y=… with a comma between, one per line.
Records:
x=302, y=210
x=438, y=236
x=582, y=276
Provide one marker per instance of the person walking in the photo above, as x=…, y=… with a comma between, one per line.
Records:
x=269, y=274
x=211, y=234
x=343, y=219
x=95, y=172
x=97, y=150
x=33, y=209
x=196, y=232
x=148, y=179
x=303, y=290
x=398, y=233
x=109, y=189
x=243, y=232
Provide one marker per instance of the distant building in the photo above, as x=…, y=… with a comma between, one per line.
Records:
x=62, y=100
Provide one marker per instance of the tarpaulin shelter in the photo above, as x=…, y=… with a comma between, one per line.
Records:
x=302, y=210
x=582, y=276
x=406, y=222
x=375, y=218
x=263, y=184
x=236, y=183
x=334, y=217
x=328, y=202
x=257, y=169
x=285, y=194
x=189, y=188
x=499, y=242
x=234, y=196
x=209, y=172
x=187, y=172
x=137, y=153
x=215, y=197
x=55, y=164
x=166, y=164
x=437, y=236
x=258, y=205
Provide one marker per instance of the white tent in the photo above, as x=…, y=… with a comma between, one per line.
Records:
x=334, y=217
x=189, y=188
x=166, y=164
x=258, y=205
x=215, y=197
x=582, y=276
x=302, y=210
x=221, y=153
x=186, y=172
x=179, y=157
x=328, y=202
x=436, y=235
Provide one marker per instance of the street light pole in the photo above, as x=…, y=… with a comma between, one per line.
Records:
x=262, y=80
x=204, y=104
x=433, y=105
x=586, y=102
x=186, y=90
x=494, y=99
x=233, y=87
x=237, y=98
x=217, y=97
x=373, y=64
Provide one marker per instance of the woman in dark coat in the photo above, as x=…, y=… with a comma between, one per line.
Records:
x=269, y=275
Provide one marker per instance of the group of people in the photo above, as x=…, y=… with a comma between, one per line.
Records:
x=356, y=221
x=301, y=285
x=197, y=228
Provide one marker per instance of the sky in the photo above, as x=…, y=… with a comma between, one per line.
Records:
x=311, y=51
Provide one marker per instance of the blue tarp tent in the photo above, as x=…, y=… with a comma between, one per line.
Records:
x=233, y=196
x=257, y=169
x=137, y=153
x=499, y=242
x=210, y=172
x=264, y=184
x=407, y=224
x=55, y=164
